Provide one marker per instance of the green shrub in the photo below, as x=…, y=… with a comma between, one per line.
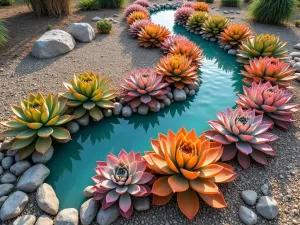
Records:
x=271, y=11
x=247, y=1
x=104, y=26
x=207, y=1
x=3, y=34
x=88, y=5
x=297, y=23
x=111, y=3
x=6, y=2
x=230, y=3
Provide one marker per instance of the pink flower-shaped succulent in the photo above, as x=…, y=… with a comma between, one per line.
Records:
x=135, y=8
x=172, y=40
x=121, y=178
x=243, y=134
x=182, y=15
x=144, y=86
x=143, y=3
x=271, y=101
x=137, y=26
x=188, y=4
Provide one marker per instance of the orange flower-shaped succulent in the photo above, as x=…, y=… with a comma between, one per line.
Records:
x=189, y=49
x=201, y=6
x=136, y=15
x=177, y=69
x=153, y=35
x=234, y=34
x=188, y=165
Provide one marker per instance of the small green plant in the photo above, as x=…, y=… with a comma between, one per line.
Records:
x=88, y=5
x=49, y=27
x=6, y=2
x=297, y=23
x=111, y=3
x=271, y=11
x=104, y=26
x=230, y=3
x=3, y=34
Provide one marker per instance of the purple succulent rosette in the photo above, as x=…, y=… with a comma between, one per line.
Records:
x=271, y=101
x=121, y=178
x=243, y=133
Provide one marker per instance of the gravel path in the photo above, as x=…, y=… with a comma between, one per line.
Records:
x=114, y=56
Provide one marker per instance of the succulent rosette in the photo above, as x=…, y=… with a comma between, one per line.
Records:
x=137, y=15
x=188, y=167
x=182, y=15
x=177, y=70
x=143, y=3
x=89, y=93
x=135, y=8
x=196, y=20
x=265, y=69
x=243, y=134
x=271, y=101
x=214, y=25
x=235, y=34
x=137, y=26
x=172, y=40
x=144, y=86
x=152, y=35
x=188, y=49
x=120, y=179
x=188, y=4
x=201, y=6
x=36, y=122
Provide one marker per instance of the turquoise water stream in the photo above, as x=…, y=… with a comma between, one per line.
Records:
x=72, y=165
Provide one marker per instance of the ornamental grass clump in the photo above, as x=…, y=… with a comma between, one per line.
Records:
x=182, y=15
x=36, y=122
x=111, y=4
x=143, y=3
x=137, y=15
x=234, y=35
x=104, y=26
x=50, y=8
x=201, y=6
x=144, y=86
x=177, y=70
x=244, y=134
x=188, y=167
x=272, y=11
x=265, y=69
x=137, y=26
x=261, y=46
x=196, y=20
x=120, y=179
x=134, y=8
x=3, y=34
x=214, y=25
x=172, y=40
x=89, y=93
x=188, y=49
x=88, y=5
x=152, y=35
x=270, y=101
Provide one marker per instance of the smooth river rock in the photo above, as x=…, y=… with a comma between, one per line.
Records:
x=141, y=204
x=88, y=211
x=179, y=95
x=7, y=162
x=42, y=158
x=8, y=178
x=109, y=215
x=5, y=189
x=88, y=192
x=2, y=200
x=47, y=199
x=67, y=217
x=25, y=220
x=249, y=197
x=20, y=167
x=44, y=220
x=247, y=215
x=83, y=32
x=267, y=207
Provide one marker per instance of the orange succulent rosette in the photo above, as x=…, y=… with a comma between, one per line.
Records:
x=188, y=165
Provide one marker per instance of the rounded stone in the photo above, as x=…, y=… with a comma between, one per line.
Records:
x=267, y=207
x=67, y=217
x=88, y=211
x=88, y=192
x=44, y=220
x=42, y=158
x=249, y=197
x=167, y=101
x=227, y=47
x=143, y=109
x=179, y=95
x=232, y=52
x=6, y=189
x=186, y=89
x=20, y=167
x=192, y=93
x=126, y=111
x=247, y=216
x=107, y=112
x=117, y=108
x=8, y=178
x=1, y=156
x=194, y=86
x=46, y=199
x=1, y=170
x=156, y=109
x=7, y=162
x=264, y=189
x=2, y=200
x=83, y=32
x=109, y=215
x=141, y=204
x=25, y=220
x=170, y=95
x=73, y=127
x=84, y=120
x=11, y=153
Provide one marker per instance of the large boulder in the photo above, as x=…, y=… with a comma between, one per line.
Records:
x=46, y=199
x=67, y=217
x=33, y=178
x=83, y=32
x=14, y=205
x=53, y=43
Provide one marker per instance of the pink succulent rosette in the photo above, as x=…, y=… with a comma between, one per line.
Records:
x=135, y=8
x=243, y=134
x=137, y=26
x=172, y=40
x=182, y=14
x=121, y=178
x=143, y=3
x=270, y=101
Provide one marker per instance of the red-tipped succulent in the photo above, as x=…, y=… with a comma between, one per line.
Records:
x=182, y=15
x=137, y=26
x=243, y=134
x=172, y=40
x=135, y=8
x=143, y=3
x=270, y=101
x=119, y=179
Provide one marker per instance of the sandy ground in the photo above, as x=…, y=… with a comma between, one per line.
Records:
x=114, y=56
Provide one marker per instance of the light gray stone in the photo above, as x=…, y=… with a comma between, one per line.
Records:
x=42, y=158
x=192, y=93
x=96, y=18
x=88, y=211
x=25, y=220
x=194, y=86
x=225, y=12
x=1, y=170
x=170, y=95
x=296, y=66
x=156, y=109
x=264, y=189
x=8, y=178
x=108, y=216
x=20, y=167
x=186, y=89
x=249, y=197
x=267, y=207
x=143, y=109
x=247, y=216
x=179, y=95
x=213, y=39
x=53, y=43
x=141, y=204
x=126, y=111
x=167, y=101
x=44, y=220
x=107, y=112
x=14, y=205
x=227, y=47
x=297, y=59
x=5, y=189
x=83, y=32
x=297, y=46
x=84, y=120
x=232, y=52
x=7, y=162
x=73, y=127
x=117, y=108
x=46, y=199
x=67, y=217
x=295, y=54
x=88, y=192
x=2, y=200
x=33, y=178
